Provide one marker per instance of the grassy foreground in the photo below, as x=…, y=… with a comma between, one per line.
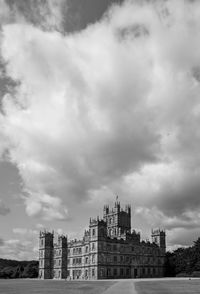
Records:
x=176, y=286
x=52, y=287
x=168, y=287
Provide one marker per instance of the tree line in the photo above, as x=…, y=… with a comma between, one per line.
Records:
x=184, y=261
x=14, y=269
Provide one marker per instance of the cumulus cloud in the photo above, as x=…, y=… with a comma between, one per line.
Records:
x=23, y=246
x=47, y=206
x=18, y=250
x=114, y=107
x=48, y=15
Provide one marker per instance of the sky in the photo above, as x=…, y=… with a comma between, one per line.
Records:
x=98, y=99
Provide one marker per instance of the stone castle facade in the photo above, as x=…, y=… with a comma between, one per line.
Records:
x=108, y=249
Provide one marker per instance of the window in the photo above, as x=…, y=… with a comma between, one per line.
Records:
x=60, y=251
x=86, y=260
x=93, y=258
x=74, y=260
x=115, y=272
x=93, y=272
x=93, y=246
x=108, y=247
x=115, y=247
x=108, y=272
x=86, y=249
x=121, y=258
x=127, y=272
x=42, y=242
x=115, y=259
x=68, y=261
x=59, y=261
x=86, y=273
x=109, y=258
x=121, y=271
x=101, y=272
x=93, y=232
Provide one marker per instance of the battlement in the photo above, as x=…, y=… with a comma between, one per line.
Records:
x=97, y=221
x=159, y=237
x=46, y=234
x=157, y=231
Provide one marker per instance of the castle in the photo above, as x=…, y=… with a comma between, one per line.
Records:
x=108, y=249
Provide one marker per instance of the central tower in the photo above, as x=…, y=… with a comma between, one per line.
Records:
x=118, y=220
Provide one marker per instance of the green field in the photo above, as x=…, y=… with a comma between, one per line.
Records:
x=168, y=287
x=52, y=287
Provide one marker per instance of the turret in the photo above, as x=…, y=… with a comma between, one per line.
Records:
x=60, y=258
x=45, y=255
x=118, y=220
x=159, y=238
x=105, y=211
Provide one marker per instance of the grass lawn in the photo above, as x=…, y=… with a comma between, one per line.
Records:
x=53, y=287
x=168, y=287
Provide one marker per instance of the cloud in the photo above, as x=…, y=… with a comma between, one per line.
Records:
x=1, y=242
x=48, y=206
x=114, y=107
x=25, y=231
x=4, y=210
x=18, y=250
x=23, y=246
x=48, y=15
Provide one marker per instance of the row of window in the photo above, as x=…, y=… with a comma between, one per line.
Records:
x=78, y=250
x=79, y=260
x=78, y=273
x=57, y=252
x=57, y=262
x=116, y=272
x=115, y=258
x=126, y=272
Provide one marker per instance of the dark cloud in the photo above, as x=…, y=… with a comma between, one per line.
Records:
x=82, y=13
x=62, y=15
